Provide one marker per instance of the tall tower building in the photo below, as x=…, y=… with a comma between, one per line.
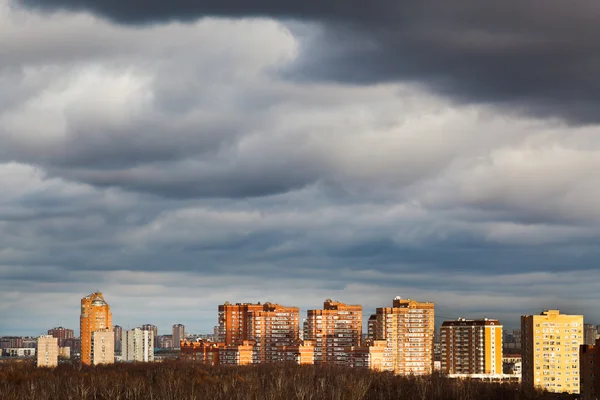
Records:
x=409, y=328
x=95, y=317
x=550, y=343
x=118, y=334
x=334, y=329
x=153, y=329
x=471, y=347
x=138, y=345
x=47, y=351
x=269, y=325
x=178, y=335
x=61, y=334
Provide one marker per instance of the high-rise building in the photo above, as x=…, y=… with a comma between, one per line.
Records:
x=138, y=345
x=589, y=370
x=47, y=351
x=103, y=347
x=471, y=347
x=178, y=335
x=589, y=334
x=268, y=325
x=550, y=343
x=153, y=329
x=334, y=329
x=61, y=334
x=408, y=327
x=95, y=317
x=118, y=334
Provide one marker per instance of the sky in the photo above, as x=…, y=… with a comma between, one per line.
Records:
x=186, y=153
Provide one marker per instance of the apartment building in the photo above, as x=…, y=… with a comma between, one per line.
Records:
x=178, y=335
x=47, y=351
x=334, y=329
x=95, y=317
x=269, y=326
x=589, y=370
x=409, y=329
x=374, y=355
x=550, y=343
x=138, y=345
x=61, y=334
x=203, y=352
x=102, y=347
x=471, y=347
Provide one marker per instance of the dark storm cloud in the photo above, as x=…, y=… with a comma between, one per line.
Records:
x=539, y=56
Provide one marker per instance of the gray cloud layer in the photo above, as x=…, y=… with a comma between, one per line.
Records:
x=538, y=56
x=178, y=165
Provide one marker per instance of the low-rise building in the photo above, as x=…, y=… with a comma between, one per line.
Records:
x=375, y=355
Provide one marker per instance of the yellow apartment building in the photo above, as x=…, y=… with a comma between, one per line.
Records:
x=550, y=343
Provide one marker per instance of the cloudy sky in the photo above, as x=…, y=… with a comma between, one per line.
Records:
x=185, y=153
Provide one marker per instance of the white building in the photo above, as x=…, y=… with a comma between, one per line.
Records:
x=47, y=351
x=138, y=345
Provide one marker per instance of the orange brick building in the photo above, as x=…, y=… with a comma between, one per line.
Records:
x=268, y=325
x=374, y=355
x=302, y=353
x=203, y=351
x=334, y=329
x=95, y=317
x=408, y=327
x=471, y=347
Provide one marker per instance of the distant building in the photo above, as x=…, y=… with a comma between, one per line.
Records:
x=47, y=351
x=61, y=334
x=241, y=354
x=96, y=318
x=118, y=337
x=165, y=342
x=334, y=329
x=267, y=325
x=178, y=335
x=64, y=352
x=103, y=350
x=408, y=327
x=18, y=352
x=203, y=352
x=550, y=343
x=471, y=347
x=12, y=342
x=512, y=364
x=138, y=345
x=154, y=330
x=589, y=334
x=74, y=344
x=373, y=355
x=589, y=366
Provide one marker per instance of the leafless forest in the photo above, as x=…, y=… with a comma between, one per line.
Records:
x=188, y=381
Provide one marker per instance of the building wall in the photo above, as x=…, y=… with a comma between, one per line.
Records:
x=588, y=359
x=103, y=350
x=375, y=355
x=334, y=329
x=47, y=351
x=61, y=334
x=550, y=344
x=408, y=327
x=471, y=347
x=138, y=345
x=178, y=335
x=95, y=316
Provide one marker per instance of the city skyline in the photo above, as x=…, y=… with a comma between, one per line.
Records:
x=184, y=154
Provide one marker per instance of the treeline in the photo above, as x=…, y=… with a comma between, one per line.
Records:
x=188, y=381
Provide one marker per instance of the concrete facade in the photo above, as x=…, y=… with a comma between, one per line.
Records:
x=47, y=351
x=550, y=344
